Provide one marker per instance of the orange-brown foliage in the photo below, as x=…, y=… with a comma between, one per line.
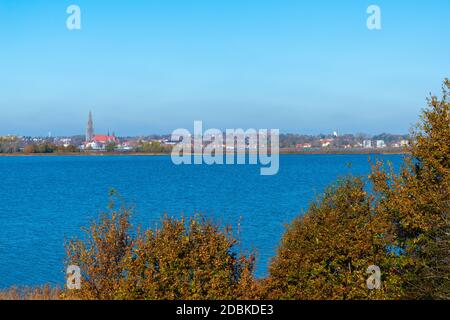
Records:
x=182, y=259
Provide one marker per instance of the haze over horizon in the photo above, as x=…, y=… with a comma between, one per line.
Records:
x=109, y=131
x=146, y=67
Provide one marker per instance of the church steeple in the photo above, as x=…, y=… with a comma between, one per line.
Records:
x=90, y=128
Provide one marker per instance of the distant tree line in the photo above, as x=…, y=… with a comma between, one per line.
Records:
x=9, y=144
x=47, y=147
x=153, y=147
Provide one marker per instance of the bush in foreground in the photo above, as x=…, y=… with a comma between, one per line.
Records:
x=325, y=253
x=417, y=203
x=183, y=259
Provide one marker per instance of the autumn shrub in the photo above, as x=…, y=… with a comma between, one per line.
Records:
x=417, y=202
x=185, y=258
x=188, y=259
x=325, y=253
x=102, y=255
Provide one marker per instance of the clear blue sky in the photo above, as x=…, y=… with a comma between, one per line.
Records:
x=154, y=66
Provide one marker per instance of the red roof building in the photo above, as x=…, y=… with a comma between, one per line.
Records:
x=104, y=139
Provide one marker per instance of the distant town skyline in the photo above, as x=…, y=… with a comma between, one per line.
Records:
x=150, y=67
x=88, y=132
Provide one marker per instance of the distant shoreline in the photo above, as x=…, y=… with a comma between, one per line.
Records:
x=282, y=152
x=337, y=151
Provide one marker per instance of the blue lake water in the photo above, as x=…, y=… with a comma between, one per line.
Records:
x=45, y=200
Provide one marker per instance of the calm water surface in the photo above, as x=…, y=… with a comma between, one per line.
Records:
x=45, y=200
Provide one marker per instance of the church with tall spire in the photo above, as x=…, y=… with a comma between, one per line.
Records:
x=90, y=128
x=97, y=141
